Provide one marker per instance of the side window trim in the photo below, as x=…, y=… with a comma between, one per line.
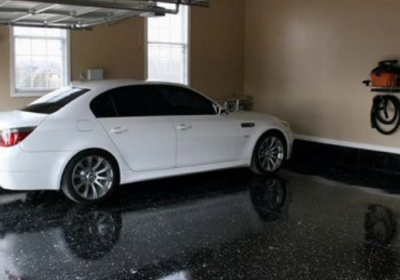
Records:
x=117, y=114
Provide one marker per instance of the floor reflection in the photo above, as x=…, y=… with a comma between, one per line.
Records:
x=268, y=195
x=91, y=233
x=182, y=275
x=380, y=232
x=133, y=237
x=224, y=225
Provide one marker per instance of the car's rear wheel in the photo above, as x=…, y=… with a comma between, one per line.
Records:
x=269, y=154
x=90, y=177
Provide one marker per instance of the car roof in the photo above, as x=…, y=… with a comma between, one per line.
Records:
x=110, y=84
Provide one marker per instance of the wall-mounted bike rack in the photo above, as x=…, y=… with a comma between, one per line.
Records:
x=385, y=111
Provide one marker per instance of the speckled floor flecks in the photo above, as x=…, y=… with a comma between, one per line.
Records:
x=223, y=225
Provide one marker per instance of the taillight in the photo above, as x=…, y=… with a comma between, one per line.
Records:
x=13, y=136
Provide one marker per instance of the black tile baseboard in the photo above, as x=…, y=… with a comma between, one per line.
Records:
x=350, y=165
x=307, y=152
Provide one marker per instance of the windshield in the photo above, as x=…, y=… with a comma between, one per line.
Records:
x=54, y=101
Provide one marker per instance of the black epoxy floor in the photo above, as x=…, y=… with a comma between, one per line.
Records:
x=223, y=225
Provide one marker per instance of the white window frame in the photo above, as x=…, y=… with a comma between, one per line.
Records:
x=36, y=93
x=188, y=47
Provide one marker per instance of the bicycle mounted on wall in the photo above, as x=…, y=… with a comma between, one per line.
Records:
x=385, y=111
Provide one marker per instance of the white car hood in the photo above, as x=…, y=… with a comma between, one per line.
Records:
x=15, y=119
x=243, y=115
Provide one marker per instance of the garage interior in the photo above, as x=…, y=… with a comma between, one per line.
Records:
x=331, y=213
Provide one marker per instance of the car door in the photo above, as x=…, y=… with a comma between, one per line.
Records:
x=203, y=135
x=145, y=137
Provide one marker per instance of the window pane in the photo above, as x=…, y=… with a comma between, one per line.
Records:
x=23, y=46
x=53, y=32
x=103, y=107
x=54, y=101
x=39, y=32
x=23, y=72
x=181, y=101
x=55, y=48
x=55, y=69
x=40, y=57
x=170, y=28
x=39, y=72
x=135, y=101
x=39, y=46
x=167, y=63
x=167, y=47
x=22, y=31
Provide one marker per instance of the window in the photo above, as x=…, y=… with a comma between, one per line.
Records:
x=181, y=101
x=103, y=107
x=54, y=101
x=135, y=101
x=40, y=60
x=167, y=52
x=130, y=101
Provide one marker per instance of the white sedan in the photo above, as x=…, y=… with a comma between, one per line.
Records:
x=90, y=137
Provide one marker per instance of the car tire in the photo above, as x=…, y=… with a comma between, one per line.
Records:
x=269, y=154
x=90, y=177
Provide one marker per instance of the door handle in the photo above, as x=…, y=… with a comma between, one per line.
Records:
x=247, y=125
x=118, y=130
x=184, y=127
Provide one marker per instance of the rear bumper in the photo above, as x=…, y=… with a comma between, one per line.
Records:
x=26, y=171
x=25, y=181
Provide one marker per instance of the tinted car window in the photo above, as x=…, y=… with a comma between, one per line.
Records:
x=103, y=107
x=54, y=101
x=135, y=101
x=179, y=101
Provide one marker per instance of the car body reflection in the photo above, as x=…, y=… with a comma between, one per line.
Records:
x=91, y=233
x=44, y=237
x=380, y=231
x=268, y=196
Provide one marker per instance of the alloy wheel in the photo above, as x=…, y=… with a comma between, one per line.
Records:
x=92, y=177
x=271, y=154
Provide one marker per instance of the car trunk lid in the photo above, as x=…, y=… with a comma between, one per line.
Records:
x=18, y=119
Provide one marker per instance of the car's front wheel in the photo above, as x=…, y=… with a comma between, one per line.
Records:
x=90, y=177
x=269, y=154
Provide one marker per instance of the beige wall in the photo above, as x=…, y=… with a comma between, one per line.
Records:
x=119, y=50
x=305, y=60
x=217, y=52
x=217, y=48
